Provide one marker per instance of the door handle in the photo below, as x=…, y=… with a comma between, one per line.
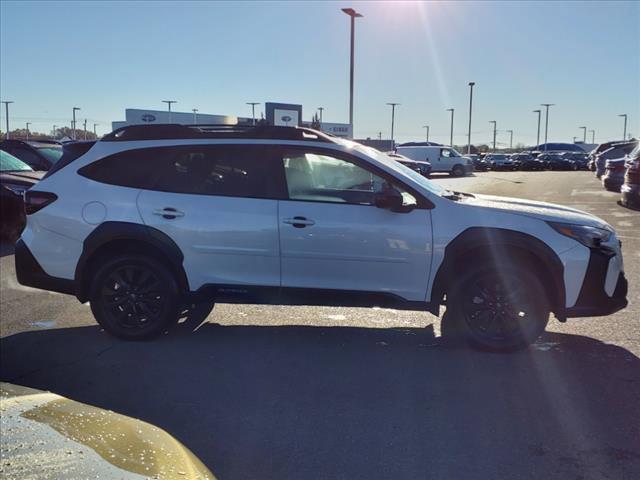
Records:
x=168, y=212
x=299, y=222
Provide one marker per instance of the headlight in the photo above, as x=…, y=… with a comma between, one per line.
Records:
x=591, y=237
x=17, y=189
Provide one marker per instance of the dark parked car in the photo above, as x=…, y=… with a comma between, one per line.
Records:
x=555, y=161
x=421, y=166
x=16, y=177
x=580, y=159
x=479, y=165
x=526, y=161
x=613, y=177
x=38, y=154
x=499, y=161
x=616, y=150
x=631, y=187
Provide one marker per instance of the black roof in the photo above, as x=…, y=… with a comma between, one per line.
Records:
x=177, y=131
x=38, y=143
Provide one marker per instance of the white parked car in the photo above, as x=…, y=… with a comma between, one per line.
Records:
x=152, y=218
x=442, y=159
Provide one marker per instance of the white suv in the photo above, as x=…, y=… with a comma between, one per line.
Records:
x=152, y=218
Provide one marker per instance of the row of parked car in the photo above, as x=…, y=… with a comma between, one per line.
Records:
x=530, y=161
x=617, y=164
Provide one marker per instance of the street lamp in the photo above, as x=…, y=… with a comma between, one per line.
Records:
x=28, y=123
x=539, y=112
x=253, y=111
x=320, y=109
x=55, y=127
x=353, y=14
x=510, y=132
x=85, y=128
x=94, y=129
x=584, y=134
x=427, y=127
x=593, y=136
x=471, y=84
x=495, y=124
x=195, y=115
x=624, y=136
x=169, y=102
x=6, y=112
x=546, y=122
x=451, y=133
x=393, y=116
x=73, y=128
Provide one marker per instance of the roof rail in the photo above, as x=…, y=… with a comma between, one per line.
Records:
x=168, y=131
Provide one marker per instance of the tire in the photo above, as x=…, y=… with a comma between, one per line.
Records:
x=457, y=171
x=499, y=308
x=134, y=297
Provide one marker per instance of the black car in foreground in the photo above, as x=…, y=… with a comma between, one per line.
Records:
x=38, y=154
x=16, y=177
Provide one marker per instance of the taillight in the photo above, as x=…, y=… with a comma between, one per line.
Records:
x=35, y=201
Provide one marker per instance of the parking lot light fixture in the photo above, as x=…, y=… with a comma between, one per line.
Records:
x=73, y=122
x=471, y=84
x=94, y=129
x=6, y=113
x=451, y=130
x=169, y=102
x=55, y=127
x=593, y=136
x=320, y=109
x=539, y=112
x=195, y=115
x=253, y=111
x=546, y=122
x=427, y=127
x=584, y=136
x=624, y=135
x=28, y=123
x=353, y=14
x=510, y=132
x=393, y=117
x=495, y=124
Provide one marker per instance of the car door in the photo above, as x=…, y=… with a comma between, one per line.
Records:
x=333, y=237
x=218, y=203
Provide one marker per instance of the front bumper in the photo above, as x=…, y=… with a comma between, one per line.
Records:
x=31, y=274
x=593, y=300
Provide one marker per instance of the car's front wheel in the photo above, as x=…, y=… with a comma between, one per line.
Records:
x=457, y=171
x=134, y=297
x=498, y=307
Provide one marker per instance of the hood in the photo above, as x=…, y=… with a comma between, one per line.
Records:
x=539, y=210
x=21, y=178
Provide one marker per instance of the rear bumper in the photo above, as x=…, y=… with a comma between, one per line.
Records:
x=593, y=300
x=31, y=274
x=630, y=196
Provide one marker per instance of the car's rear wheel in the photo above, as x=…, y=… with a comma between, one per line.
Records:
x=498, y=307
x=134, y=297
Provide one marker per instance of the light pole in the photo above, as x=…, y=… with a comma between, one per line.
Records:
x=73, y=128
x=253, y=111
x=94, y=129
x=451, y=131
x=546, y=122
x=471, y=84
x=584, y=134
x=55, y=127
x=593, y=136
x=353, y=14
x=574, y=139
x=320, y=109
x=85, y=128
x=195, y=115
x=427, y=127
x=495, y=124
x=393, y=117
x=6, y=113
x=539, y=112
x=28, y=123
x=169, y=102
x=624, y=136
x=510, y=132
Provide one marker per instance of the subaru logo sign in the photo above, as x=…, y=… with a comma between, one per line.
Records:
x=147, y=117
x=286, y=118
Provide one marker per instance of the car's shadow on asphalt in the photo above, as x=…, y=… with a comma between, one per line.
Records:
x=317, y=402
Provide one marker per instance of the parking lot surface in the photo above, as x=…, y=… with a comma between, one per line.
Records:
x=310, y=392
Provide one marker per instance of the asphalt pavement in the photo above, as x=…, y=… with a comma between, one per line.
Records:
x=261, y=392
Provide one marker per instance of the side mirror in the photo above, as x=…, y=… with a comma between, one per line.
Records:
x=389, y=199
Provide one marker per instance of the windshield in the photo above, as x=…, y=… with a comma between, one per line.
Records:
x=52, y=154
x=9, y=163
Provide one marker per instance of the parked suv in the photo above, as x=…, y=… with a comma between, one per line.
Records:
x=152, y=218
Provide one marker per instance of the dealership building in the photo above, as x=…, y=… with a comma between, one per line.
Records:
x=284, y=114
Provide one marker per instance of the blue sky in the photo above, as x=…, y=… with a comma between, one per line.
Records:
x=215, y=56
